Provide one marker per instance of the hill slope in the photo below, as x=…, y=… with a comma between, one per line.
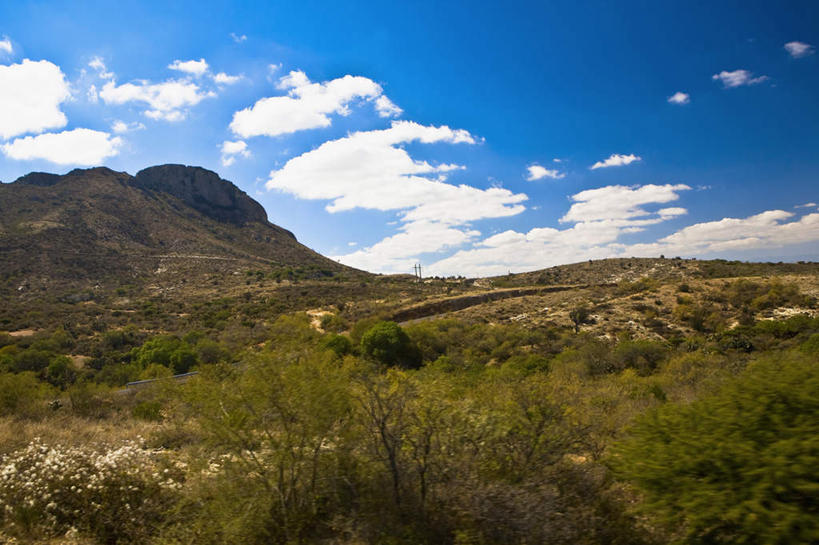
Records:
x=100, y=226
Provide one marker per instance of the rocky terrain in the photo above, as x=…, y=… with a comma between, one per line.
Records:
x=99, y=229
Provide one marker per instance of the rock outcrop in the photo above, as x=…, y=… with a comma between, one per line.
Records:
x=204, y=191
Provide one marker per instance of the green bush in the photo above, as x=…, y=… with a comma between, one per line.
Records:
x=642, y=355
x=339, y=344
x=170, y=351
x=22, y=394
x=387, y=343
x=738, y=466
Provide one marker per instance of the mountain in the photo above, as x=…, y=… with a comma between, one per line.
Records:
x=98, y=226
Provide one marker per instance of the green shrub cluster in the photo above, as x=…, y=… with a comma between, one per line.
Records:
x=737, y=466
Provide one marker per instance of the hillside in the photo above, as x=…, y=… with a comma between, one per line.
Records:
x=171, y=224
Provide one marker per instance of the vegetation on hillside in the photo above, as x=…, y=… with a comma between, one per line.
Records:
x=694, y=424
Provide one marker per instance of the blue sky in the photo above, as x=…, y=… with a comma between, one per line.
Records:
x=475, y=139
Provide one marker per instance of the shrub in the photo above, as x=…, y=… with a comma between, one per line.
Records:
x=22, y=394
x=333, y=323
x=148, y=410
x=642, y=355
x=579, y=316
x=811, y=346
x=115, y=495
x=166, y=350
x=738, y=466
x=339, y=344
x=387, y=343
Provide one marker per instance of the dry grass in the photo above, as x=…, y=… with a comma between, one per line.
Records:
x=70, y=430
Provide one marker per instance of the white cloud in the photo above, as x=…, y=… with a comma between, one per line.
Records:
x=76, y=147
x=799, y=49
x=372, y=170
x=195, y=68
x=807, y=205
x=224, y=79
x=274, y=68
x=238, y=38
x=536, y=249
x=536, y=172
x=396, y=253
x=30, y=97
x=5, y=46
x=668, y=213
x=167, y=100
x=369, y=170
x=386, y=107
x=308, y=105
x=99, y=66
x=761, y=231
x=121, y=127
x=620, y=202
x=616, y=160
x=601, y=237
x=232, y=150
x=679, y=98
x=738, y=78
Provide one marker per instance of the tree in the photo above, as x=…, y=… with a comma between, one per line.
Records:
x=387, y=343
x=579, y=316
x=738, y=466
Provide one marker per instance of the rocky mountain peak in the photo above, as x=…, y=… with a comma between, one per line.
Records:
x=202, y=190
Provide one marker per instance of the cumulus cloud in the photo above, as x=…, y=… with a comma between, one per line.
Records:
x=807, y=205
x=601, y=236
x=194, y=68
x=308, y=105
x=371, y=170
x=601, y=217
x=536, y=172
x=232, y=150
x=5, y=46
x=224, y=79
x=76, y=147
x=679, y=98
x=121, y=127
x=768, y=229
x=167, y=100
x=396, y=253
x=386, y=107
x=620, y=202
x=799, y=49
x=616, y=160
x=31, y=94
x=737, y=78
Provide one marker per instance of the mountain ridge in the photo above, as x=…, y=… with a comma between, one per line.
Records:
x=97, y=223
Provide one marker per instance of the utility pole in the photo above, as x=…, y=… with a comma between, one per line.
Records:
x=417, y=272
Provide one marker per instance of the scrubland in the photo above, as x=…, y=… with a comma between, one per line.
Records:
x=650, y=409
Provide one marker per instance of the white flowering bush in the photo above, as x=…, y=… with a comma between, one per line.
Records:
x=113, y=494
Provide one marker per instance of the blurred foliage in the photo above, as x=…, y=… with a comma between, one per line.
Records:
x=737, y=466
